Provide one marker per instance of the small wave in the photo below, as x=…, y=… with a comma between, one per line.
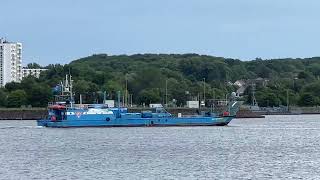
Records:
x=8, y=127
x=21, y=127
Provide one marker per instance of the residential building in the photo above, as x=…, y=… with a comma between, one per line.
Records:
x=32, y=72
x=240, y=83
x=10, y=62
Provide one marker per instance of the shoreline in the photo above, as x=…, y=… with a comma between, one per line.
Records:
x=41, y=113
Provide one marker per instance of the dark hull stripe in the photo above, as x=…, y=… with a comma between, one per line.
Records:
x=154, y=125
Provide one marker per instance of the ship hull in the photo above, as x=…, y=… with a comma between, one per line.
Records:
x=139, y=122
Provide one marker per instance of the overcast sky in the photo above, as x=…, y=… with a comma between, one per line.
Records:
x=59, y=31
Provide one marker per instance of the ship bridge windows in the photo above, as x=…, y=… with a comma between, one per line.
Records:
x=59, y=114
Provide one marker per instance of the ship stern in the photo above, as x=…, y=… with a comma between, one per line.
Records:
x=42, y=122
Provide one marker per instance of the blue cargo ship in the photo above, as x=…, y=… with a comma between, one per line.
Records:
x=64, y=113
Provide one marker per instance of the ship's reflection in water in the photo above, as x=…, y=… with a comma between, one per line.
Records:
x=275, y=147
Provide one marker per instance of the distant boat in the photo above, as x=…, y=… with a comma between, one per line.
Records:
x=67, y=114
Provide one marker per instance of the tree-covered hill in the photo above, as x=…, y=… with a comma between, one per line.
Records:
x=146, y=76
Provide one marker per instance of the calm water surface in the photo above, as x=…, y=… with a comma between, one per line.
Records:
x=277, y=147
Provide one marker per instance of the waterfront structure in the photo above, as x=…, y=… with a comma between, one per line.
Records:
x=10, y=62
x=32, y=72
x=193, y=104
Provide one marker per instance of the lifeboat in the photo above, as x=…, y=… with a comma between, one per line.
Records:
x=57, y=107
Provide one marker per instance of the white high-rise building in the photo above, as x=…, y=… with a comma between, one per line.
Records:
x=10, y=62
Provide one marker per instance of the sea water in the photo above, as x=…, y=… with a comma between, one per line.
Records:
x=277, y=147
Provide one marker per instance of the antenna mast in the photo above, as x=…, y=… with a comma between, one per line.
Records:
x=254, y=101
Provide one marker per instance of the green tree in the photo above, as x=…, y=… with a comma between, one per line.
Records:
x=148, y=96
x=312, y=88
x=12, y=86
x=17, y=98
x=87, y=89
x=3, y=98
x=306, y=76
x=184, y=72
x=307, y=99
x=39, y=95
x=33, y=66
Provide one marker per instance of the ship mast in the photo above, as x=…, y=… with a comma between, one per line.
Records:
x=67, y=89
x=71, y=88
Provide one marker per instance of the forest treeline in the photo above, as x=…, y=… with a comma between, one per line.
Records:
x=186, y=75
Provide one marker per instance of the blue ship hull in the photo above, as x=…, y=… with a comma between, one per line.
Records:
x=139, y=122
